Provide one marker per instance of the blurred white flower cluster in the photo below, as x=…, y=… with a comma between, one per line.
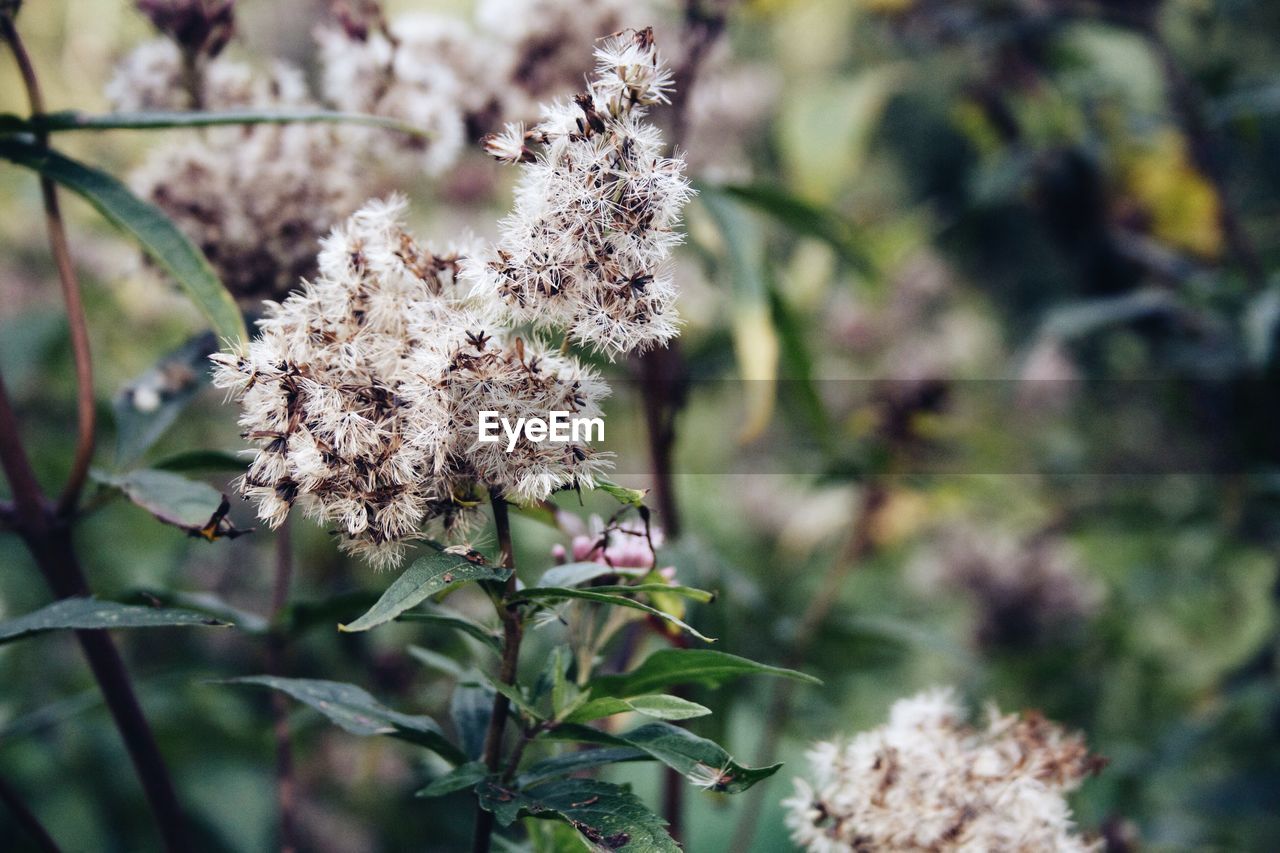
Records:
x=597, y=205
x=928, y=781
x=362, y=389
x=456, y=78
x=254, y=198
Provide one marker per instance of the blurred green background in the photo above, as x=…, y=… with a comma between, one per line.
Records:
x=1012, y=263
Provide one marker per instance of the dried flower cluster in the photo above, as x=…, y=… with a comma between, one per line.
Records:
x=422, y=70
x=454, y=78
x=928, y=781
x=362, y=390
x=1026, y=590
x=255, y=199
x=596, y=208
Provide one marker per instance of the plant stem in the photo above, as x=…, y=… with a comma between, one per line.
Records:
x=27, y=820
x=512, y=633
x=861, y=544
x=48, y=538
x=286, y=787
x=86, y=413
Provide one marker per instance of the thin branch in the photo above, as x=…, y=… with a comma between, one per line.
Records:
x=27, y=820
x=286, y=784
x=49, y=541
x=512, y=633
x=58, y=245
x=860, y=546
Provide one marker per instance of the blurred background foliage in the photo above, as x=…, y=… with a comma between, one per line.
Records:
x=1013, y=265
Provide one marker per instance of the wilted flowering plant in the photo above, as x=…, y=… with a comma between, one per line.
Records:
x=363, y=392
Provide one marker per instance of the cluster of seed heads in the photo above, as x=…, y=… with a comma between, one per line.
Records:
x=929, y=781
x=597, y=204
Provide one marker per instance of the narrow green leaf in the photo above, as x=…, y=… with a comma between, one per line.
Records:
x=73, y=120
x=190, y=505
x=448, y=619
x=700, y=595
x=632, y=497
x=552, y=686
x=703, y=762
x=441, y=663
x=755, y=340
x=575, y=574
x=608, y=816
x=355, y=711
x=159, y=237
x=89, y=613
x=470, y=708
x=203, y=602
x=514, y=693
x=202, y=460
x=539, y=593
x=804, y=218
x=658, y=706
x=667, y=667
x=579, y=759
x=433, y=573
x=459, y=778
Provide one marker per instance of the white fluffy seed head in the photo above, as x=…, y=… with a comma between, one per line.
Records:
x=596, y=210
x=928, y=781
x=362, y=392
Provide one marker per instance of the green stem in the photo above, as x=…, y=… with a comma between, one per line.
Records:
x=512, y=633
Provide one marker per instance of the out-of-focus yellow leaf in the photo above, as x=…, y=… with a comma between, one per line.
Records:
x=1184, y=208
x=826, y=126
x=755, y=342
x=903, y=514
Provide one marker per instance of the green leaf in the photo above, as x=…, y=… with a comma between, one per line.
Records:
x=190, y=505
x=631, y=497
x=202, y=460
x=667, y=667
x=147, y=406
x=793, y=337
x=538, y=593
x=608, y=816
x=203, y=602
x=433, y=573
x=514, y=693
x=703, y=762
x=73, y=120
x=755, y=340
x=436, y=615
x=434, y=660
x=579, y=759
x=804, y=218
x=700, y=595
x=89, y=614
x=355, y=711
x=459, y=778
x=575, y=574
x=159, y=237
x=658, y=706
x=470, y=708
x=553, y=682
